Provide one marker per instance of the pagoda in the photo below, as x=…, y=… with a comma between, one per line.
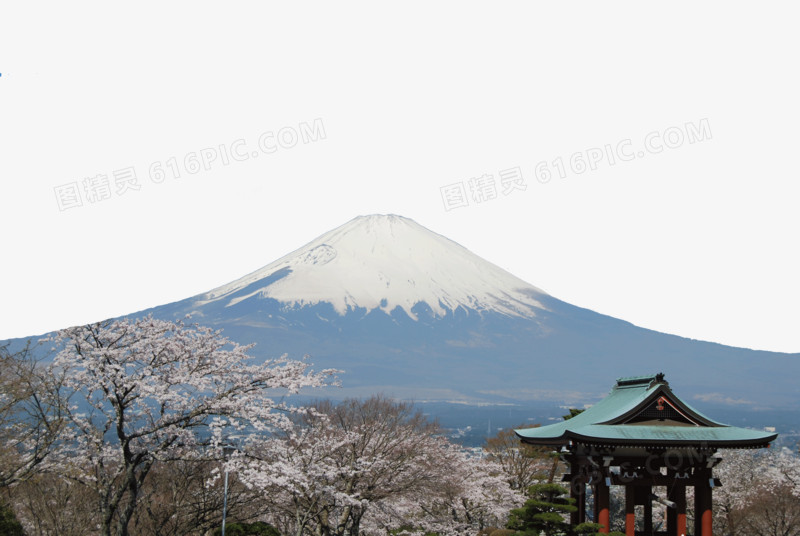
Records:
x=642, y=436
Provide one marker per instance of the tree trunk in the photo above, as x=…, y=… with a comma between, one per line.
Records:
x=553, y=469
x=354, y=527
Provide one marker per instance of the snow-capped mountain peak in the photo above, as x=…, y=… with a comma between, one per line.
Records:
x=385, y=262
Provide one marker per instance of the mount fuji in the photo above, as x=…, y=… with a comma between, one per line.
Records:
x=405, y=311
x=386, y=263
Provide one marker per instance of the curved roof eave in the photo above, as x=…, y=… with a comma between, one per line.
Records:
x=603, y=423
x=715, y=442
x=694, y=437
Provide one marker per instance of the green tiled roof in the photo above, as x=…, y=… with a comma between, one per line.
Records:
x=632, y=415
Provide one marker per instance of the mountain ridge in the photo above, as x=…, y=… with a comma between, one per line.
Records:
x=494, y=338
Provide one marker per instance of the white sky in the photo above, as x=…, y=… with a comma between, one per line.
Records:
x=699, y=239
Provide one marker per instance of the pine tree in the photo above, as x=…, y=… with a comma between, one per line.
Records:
x=9, y=526
x=545, y=510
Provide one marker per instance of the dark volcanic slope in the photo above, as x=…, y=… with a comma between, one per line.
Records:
x=408, y=312
x=564, y=354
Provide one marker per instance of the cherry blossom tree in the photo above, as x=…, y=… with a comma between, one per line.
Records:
x=31, y=416
x=391, y=451
x=145, y=390
x=30, y=424
x=368, y=467
x=772, y=512
x=324, y=473
x=470, y=494
x=46, y=505
x=786, y=469
x=759, y=493
x=740, y=472
x=523, y=464
x=297, y=476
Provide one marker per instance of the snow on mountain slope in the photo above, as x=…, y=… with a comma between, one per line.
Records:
x=384, y=262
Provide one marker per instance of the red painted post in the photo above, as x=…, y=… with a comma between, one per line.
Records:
x=676, y=517
x=630, y=511
x=705, y=529
x=680, y=500
x=602, y=507
x=702, y=506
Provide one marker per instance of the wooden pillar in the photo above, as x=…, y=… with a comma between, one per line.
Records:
x=680, y=500
x=580, y=502
x=630, y=510
x=648, y=511
x=698, y=508
x=676, y=517
x=706, y=516
x=602, y=509
x=672, y=515
x=702, y=504
x=577, y=490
